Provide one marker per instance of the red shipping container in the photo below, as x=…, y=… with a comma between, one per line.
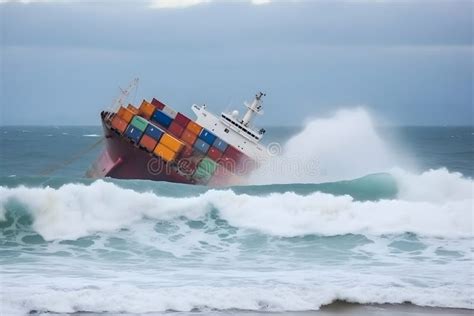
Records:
x=240, y=164
x=187, y=166
x=228, y=163
x=188, y=137
x=233, y=153
x=175, y=129
x=119, y=124
x=214, y=153
x=158, y=104
x=148, y=142
x=182, y=119
x=188, y=161
x=187, y=151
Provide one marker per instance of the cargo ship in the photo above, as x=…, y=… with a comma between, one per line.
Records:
x=154, y=141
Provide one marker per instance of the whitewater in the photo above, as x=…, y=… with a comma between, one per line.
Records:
x=354, y=218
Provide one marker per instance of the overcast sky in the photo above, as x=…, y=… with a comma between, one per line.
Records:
x=409, y=62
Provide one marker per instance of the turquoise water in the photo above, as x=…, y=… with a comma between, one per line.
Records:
x=32, y=151
x=385, y=233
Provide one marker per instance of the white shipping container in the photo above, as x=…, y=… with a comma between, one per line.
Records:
x=170, y=112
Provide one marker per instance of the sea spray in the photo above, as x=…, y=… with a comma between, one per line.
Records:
x=74, y=245
x=105, y=207
x=220, y=250
x=344, y=146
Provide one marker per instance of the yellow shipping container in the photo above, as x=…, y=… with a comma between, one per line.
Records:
x=146, y=109
x=165, y=153
x=125, y=114
x=194, y=128
x=172, y=143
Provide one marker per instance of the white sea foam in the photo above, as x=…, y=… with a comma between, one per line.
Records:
x=435, y=203
x=436, y=186
x=343, y=146
x=187, y=298
x=91, y=135
x=166, y=263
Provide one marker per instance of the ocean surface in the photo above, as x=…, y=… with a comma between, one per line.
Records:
x=345, y=212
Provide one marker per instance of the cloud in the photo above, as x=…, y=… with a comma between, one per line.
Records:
x=259, y=2
x=24, y=1
x=164, y=4
x=156, y=4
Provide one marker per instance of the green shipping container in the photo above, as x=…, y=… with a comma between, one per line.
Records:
x=208, y=165
x=201, y=174
x=139, y=122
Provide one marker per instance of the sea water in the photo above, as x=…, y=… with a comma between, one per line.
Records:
x=344, y=211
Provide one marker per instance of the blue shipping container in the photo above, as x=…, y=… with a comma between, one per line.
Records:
x=207, y=136
x=154, y=132
x=161, y=118
x=220, y=144
x=133, y=133
x=202, y=146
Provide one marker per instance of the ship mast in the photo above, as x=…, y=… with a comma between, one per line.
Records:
x=122, y=98
x=254, y=108
x=124, y=93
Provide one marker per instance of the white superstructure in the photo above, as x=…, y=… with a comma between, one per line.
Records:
x=235, y=131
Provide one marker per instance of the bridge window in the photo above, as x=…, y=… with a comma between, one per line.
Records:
x=239, y=126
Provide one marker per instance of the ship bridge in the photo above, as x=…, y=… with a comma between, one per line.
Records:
x=234, y=130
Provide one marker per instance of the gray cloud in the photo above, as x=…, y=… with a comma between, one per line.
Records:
x=62, y=63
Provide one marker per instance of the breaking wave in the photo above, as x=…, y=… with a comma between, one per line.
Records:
x=240, y=298
x=344, y=146
x=435, y=203
x=358, y=227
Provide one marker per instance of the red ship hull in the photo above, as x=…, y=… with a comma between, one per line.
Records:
x=122, y=159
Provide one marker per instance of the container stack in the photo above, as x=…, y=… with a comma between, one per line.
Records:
x=172, y=136
x=168, y=148
x=151, y=138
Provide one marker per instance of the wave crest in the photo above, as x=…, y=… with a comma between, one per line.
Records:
x=435, y=203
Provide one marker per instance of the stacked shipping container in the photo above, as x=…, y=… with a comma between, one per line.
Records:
x=160, y=130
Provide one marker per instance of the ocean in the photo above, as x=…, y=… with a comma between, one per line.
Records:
x=346, y=213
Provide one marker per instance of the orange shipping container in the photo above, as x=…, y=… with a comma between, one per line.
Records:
x=146, y=109
x=119, y=124
x=148, y=142
x=133, y=109
x=125, y=114
x=188, y=137
x=194, y=127
x=171, y=142
x=165, y=153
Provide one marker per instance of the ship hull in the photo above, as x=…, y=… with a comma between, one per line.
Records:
x=154, y=142
x=122, y=159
